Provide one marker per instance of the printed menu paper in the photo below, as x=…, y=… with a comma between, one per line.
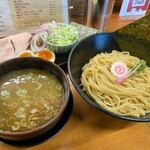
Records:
x=25, y=15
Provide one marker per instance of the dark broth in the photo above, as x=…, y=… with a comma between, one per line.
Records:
x=28, y=99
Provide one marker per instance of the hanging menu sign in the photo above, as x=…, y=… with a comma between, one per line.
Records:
x=26, y=15
x=131, y=9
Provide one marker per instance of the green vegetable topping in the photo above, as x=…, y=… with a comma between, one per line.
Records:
x=62, y=35
x=143, y=65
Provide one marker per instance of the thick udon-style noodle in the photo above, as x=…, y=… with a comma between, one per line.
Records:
x=130, y=98
x=28, y=99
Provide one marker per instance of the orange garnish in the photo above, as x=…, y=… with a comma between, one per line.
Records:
x=46, y=54
x=26, y=53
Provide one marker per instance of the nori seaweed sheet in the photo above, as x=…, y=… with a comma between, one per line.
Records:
x=135, y=38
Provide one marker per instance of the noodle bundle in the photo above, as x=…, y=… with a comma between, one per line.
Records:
x=128, y=98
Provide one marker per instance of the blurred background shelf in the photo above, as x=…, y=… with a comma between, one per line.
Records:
x=78, y=14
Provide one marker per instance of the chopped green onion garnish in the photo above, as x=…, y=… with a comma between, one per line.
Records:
x=62, y=35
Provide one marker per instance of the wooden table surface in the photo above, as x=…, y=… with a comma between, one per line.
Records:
x=90, y=129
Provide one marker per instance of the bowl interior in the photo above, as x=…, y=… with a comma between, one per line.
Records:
x=38, y=63
x=81, y=54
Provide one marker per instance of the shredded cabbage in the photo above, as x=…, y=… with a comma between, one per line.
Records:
x=62, y=35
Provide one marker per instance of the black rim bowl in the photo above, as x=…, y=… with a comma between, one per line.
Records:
x=81, y=54
x=36, y=63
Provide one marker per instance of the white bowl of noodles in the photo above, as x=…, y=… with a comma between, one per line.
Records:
x=94, y=78
x=34, y=94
